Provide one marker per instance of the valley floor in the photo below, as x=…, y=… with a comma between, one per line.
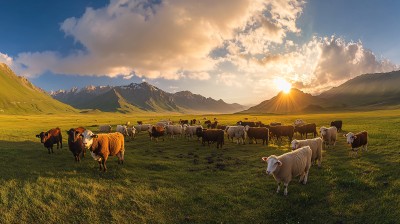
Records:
x=180, y=181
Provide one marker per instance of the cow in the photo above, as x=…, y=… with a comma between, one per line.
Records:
x=214, y=125
x=156, y=131
x=357, y=140
x=182, y=122
x=123, y=129
x=257, y=133
x=211, y=135
x=75, y=143
x=247, y=123
x=282, y=131
x=51, y=137
x=207, y=123
x=193, y=122
x=105, y=128
x=338, y=124
x=103, y=145
x=305, y=129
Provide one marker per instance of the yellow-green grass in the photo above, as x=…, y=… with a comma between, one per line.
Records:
x=180, y=181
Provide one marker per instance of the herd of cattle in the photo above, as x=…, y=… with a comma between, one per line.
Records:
x=283, y=167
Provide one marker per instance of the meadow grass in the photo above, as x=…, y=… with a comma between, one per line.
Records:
x=180, y=181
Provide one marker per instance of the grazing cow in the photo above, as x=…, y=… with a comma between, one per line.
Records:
x=182, y=122
x=190, y=131
x=193, y=122
x=221, y=127
x=123, y=129
x=173, y=130
x=75, y=143
x=238, y=132
x=282, y=131
x=357, y=140
x=132, y=132
x=329, y=135
x=51, y=137
x=247, y=123
x=305, y=129
x=257, y=133
x=105, y=128
x=207, y=123
x=142, y=127
x=211, y=135
x=338, y=124
x=214, y=125
x=103, y=145
x=156, y=131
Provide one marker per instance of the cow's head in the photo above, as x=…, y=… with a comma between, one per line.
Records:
x=43, y=136
x=323, y=131
x=295, y=144
x=87, y=138
x=273, y=163
x=350, y=137
x=74, y=134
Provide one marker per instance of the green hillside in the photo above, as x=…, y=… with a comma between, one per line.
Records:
x=19, y=96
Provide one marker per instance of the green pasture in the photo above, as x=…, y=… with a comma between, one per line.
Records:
x=180, y=181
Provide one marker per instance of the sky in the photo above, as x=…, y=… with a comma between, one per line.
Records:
x=233, y=50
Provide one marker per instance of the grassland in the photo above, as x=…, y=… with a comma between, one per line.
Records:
x=180, y=181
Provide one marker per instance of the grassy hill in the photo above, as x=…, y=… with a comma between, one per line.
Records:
x=368, y=90
x=180, y=181
x=19, y=96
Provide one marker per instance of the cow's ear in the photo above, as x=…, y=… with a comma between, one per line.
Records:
x=95, y=136
x=37, y=136
x=264, y=159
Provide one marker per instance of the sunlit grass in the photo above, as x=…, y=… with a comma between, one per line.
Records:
x=179, y=181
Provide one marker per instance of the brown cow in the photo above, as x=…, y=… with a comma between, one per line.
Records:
x=51, y=137
x=75, y=143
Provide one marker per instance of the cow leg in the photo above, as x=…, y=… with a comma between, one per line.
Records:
x=49, y=149
x=279, y=187
x=286, y=190
x=100, y=168
x=52, y=151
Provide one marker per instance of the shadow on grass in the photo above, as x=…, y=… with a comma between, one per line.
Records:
x=29, y=160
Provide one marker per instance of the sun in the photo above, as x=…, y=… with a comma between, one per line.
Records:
x=283, y=85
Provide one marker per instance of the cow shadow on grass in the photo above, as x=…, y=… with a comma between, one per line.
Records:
x=28, y=160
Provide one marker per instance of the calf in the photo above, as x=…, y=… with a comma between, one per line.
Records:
x=338, y=124
x=357, y=140
x=51, y=137
x=75, y=143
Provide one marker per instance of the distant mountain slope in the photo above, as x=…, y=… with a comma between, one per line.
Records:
x=380, y=89
x=142, y=97
x=19, y=96
x=295, y=101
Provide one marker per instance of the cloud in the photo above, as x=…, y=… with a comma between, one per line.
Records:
x=4, y=58
x=315, y=66
x=158, y=39
x=228, y=79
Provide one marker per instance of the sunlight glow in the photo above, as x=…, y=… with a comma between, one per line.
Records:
x=283, y=85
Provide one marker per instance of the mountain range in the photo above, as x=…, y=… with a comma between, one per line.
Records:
x=364, y=92
x=141, y=97
x=19, y=96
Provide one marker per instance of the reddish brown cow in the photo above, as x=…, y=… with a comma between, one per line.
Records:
x=51, y=137
x=75, y=143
